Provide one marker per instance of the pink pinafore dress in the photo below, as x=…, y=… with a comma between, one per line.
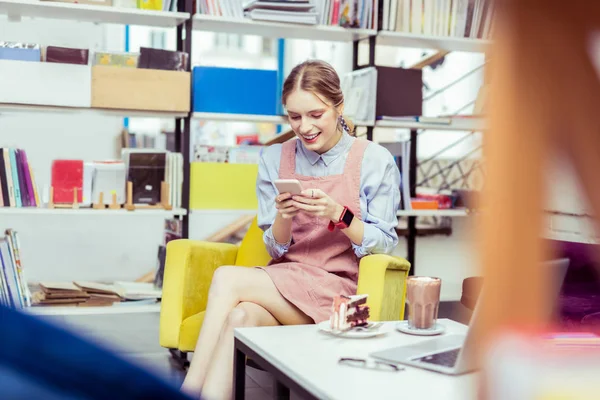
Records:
x=319, y=264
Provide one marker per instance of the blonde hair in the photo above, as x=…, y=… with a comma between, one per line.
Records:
x=320, y=78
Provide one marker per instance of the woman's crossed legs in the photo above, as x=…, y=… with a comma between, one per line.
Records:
x=238, y=296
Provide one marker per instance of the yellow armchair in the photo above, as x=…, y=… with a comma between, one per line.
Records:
x=190, y=265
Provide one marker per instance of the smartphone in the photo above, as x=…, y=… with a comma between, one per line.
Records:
x=291, y=186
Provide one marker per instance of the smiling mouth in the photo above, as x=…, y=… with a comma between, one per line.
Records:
x=311, y=138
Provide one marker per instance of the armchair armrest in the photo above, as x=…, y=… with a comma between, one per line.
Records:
x=189, y=267
x=383, y=278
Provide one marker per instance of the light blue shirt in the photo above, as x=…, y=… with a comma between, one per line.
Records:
x=379, y=191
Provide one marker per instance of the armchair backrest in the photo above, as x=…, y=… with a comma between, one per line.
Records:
x=252, y=251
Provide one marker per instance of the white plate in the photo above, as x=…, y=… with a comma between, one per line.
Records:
x=437, y=330
x=352, y=333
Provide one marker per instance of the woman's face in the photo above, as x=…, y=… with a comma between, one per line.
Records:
x=313, y=120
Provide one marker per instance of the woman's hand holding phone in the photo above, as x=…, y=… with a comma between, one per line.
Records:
x=318, y=203
x=282, y=227
x=285, y=206
x=283, y=202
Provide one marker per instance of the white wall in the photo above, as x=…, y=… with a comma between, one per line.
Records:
x=451, y=258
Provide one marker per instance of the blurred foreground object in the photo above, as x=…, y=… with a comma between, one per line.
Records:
x=39, y=360
x=545, y=97
x=562, y=366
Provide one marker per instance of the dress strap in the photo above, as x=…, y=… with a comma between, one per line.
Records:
x=353, y=167
x=287, y=163
x=356, y=152
x=353, y=172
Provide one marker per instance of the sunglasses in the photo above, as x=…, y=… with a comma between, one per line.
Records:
x=365, y=364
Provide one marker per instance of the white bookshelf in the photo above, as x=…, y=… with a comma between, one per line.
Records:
x=457, y=124
x=402, y=39
x=16, y=9
x=277, y=30
x=90, y=211
x=117, y=308
x=29, y=108
x=433, y=213
x=570, y=227
x=273, y=119
x=362, y=123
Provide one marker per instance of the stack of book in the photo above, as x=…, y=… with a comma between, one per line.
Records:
x=92, y=294
x=345, y=13
x=57, y=293
x=14, y=292
x=296, y=11
x=17, y=182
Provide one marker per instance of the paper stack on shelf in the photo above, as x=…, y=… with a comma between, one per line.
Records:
x=297, y=11
x=137, y=290
x=99, y=294
x=121, y=290
x=94, y=294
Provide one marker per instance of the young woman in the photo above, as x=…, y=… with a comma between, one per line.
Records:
x=346, y=211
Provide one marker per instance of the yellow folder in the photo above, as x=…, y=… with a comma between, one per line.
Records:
x=223, y=186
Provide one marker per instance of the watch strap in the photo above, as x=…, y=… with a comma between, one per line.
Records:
x=344, y=220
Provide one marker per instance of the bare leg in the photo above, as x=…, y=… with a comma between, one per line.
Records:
x=229, y=287
x=218, y=306
x=219, y=381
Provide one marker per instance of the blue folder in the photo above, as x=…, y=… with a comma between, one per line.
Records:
x=41, y=361
x=20, y=54
x=234, y=90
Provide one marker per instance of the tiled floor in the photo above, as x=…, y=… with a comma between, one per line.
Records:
x=135, y=337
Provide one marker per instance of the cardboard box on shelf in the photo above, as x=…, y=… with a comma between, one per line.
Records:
x=140, y=89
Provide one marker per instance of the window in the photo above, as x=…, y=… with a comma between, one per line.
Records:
x=228, y=41
x=158, y=39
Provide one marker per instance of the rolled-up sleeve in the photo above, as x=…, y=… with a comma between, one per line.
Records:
x=380, y=190
x=268, y=171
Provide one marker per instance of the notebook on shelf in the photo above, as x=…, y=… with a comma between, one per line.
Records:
x=146, y=172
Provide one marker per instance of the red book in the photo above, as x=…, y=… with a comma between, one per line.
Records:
x=66, y=176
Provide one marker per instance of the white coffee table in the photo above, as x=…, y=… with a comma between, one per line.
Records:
x=304, y=359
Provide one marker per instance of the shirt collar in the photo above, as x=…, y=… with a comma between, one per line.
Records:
x=330, y=156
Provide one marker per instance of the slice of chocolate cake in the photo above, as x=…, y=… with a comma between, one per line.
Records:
x=348, y=312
